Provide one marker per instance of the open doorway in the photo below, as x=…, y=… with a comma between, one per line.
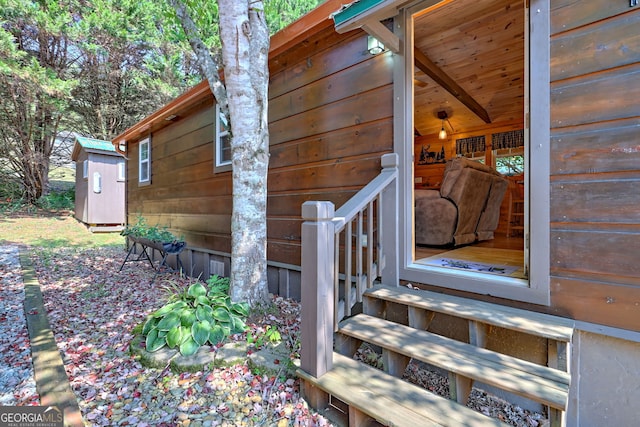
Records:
x=470, y=140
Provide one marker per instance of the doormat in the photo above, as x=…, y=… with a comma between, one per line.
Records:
x=473, y=266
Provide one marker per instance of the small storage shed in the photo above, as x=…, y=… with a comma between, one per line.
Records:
x=100, y=184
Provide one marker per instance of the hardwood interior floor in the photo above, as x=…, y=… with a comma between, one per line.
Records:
x=494, y=253
x=500, y=241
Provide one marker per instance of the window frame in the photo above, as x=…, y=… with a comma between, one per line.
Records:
x=537, y=185
x=85, y=169
x=218, y=164
x=121, y=170
x=507, y=152
x=144, y=180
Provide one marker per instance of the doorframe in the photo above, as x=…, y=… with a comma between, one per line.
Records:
x=537, y=73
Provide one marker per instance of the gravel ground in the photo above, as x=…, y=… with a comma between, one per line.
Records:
x=92, y=310
x=17, y=385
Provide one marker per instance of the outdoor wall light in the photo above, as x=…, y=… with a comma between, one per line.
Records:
x=374, y=46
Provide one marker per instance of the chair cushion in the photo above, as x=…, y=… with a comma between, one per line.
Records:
x=455, y=167
x=435, y=219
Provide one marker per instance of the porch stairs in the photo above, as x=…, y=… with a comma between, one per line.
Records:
x=396, y=320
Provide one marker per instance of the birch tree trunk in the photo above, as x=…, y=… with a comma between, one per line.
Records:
x=245, y=55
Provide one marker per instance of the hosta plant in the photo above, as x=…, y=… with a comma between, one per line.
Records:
x=194, y=318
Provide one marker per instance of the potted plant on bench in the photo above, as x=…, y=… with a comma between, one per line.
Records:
x=155, y=237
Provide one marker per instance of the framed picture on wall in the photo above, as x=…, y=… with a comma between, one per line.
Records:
x=431, y=153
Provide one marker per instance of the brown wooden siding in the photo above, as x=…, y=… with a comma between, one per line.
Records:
x=595, y=158
x=331, y=120
x=184, y=193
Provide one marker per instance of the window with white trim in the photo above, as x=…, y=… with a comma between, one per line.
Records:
x=85, y=169
x=222, y=142
x=144, y=161
x=121, y=170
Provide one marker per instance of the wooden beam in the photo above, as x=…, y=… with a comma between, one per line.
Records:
x=382, y=33
x=443, y=79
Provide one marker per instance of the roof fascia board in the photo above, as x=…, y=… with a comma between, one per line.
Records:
x=76, y=151
x=190, y=97
x=103, y=152
x=363, y=11
x=314, y=21
x=358, y=8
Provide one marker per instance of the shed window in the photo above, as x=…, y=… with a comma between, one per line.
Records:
x=222, y=141
x=85, y=169
x=144, y=162
x=121, y=170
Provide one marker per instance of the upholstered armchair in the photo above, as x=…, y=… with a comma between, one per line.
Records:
x=465, y=209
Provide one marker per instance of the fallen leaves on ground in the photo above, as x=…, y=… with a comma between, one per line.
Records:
x=93, y=309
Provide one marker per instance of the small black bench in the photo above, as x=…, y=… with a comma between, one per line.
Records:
x=165, y=249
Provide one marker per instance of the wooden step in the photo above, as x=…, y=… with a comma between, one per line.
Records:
x=539, y=383
x=529, y=322
x=389, y=400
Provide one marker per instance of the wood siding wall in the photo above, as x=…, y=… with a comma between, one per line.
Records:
x=184, y=193
x=108, y=206
x=330, y=117
x=82, y=188
x=330, y=113
x=595, y=161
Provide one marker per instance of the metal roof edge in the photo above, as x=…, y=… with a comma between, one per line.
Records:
x=354, y=9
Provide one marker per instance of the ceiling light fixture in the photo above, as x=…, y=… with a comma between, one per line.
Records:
x=442, y=115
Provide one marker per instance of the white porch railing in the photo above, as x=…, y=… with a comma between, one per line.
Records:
x=343, y=253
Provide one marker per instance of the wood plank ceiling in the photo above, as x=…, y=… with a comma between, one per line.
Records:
x=480, y=46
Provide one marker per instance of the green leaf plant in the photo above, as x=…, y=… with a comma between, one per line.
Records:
x=194, y=318
x=151, y=232
x=270, y=335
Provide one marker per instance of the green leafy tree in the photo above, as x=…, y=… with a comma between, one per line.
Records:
x=80, y=67
x=281, y=13
x=130, y=64
x=35, y=87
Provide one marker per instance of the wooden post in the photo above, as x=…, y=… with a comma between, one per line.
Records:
x=478, y=332
x=388, y=224
x=318, y=240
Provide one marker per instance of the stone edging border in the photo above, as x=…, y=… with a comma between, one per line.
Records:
x=52, y=382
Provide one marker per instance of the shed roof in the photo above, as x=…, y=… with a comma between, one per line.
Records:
x=92, y=145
